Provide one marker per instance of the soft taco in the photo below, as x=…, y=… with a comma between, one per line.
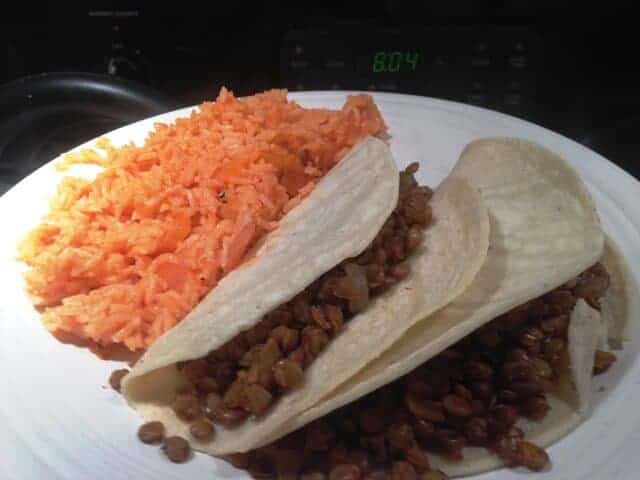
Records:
x=296, y=365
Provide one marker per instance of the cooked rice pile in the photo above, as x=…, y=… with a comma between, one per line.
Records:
x=123, y=258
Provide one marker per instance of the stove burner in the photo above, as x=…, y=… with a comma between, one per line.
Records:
x=52, y=113
x=45, y=140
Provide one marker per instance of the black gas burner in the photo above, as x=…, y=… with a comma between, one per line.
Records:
x=47, y=138
x=47, y=115
x=69, y=134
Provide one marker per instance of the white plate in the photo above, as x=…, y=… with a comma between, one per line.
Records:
x=59, y=420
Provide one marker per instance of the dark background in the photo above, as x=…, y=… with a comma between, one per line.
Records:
x=569, y=67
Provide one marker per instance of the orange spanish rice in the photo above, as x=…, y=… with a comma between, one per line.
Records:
x=123, y=258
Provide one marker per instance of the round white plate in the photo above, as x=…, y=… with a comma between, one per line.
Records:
x=59, y=419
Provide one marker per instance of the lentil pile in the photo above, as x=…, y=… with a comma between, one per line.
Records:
x=472, y=394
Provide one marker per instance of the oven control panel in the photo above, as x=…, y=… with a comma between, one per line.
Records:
x=494, y=67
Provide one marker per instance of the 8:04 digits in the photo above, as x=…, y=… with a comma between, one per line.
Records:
x=394, y=61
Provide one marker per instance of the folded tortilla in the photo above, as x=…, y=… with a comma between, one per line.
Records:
x=544, y=232
x=620, y=304
x=571, y=402
x=337, y=221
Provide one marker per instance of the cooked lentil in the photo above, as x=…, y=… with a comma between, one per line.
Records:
x=115, y=379
x=202, y=430
x=151, y=432
x=177, y=449
x=403, y=470
x=187, y=406
x=603, y=361
x=345, y=472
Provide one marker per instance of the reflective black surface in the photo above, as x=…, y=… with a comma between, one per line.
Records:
x=570, y=69
x=47, y=114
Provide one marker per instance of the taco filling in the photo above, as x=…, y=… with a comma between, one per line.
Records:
x=246, y=375
x=472, y=394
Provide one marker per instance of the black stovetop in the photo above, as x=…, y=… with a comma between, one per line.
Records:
x=573, y=75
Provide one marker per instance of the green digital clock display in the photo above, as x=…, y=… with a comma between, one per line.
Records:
x=392, y=61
